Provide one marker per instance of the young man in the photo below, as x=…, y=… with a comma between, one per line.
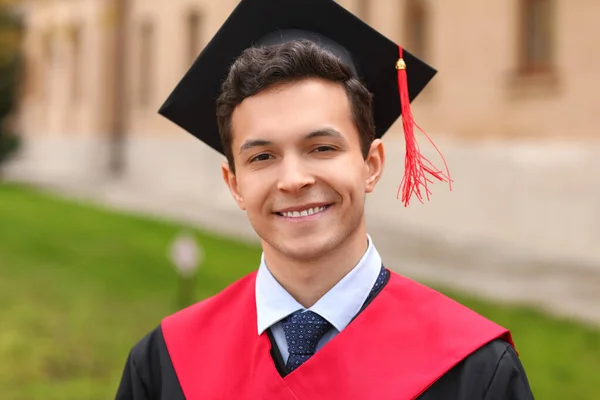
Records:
x=322, y=318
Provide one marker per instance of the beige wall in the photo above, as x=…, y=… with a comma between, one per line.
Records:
x=479, y=92
x=476, y=94
x=517, y=195
x=49, y=107
x=169, y=21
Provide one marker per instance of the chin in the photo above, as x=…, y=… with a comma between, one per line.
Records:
x=306, y=248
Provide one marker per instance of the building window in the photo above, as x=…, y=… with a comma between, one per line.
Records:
x=194, y=36
x=47, y=64
x=32, y=75
x=146, y=63
x=75, y=40
x=28, y=82
x=417, y=28
x=536, y=39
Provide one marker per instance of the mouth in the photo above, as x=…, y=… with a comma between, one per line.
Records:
x=306, y=212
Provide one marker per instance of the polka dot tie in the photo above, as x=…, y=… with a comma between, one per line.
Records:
x=383, y=274
x=303, y=331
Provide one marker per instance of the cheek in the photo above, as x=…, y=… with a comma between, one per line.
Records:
x=254, y=191
x=349, y=181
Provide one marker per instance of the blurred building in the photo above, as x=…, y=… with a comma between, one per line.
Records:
x=514, y=109
x=518, y=68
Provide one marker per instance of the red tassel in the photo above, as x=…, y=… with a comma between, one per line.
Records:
x=416, y=165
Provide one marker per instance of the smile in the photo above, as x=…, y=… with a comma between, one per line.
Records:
x=303, y=213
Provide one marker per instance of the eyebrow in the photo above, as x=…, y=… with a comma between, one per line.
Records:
x=325, y=132
x=248, y=144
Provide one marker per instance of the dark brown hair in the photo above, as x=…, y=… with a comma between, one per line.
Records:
x=260, y=68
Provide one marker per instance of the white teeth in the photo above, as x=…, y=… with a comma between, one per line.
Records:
x=315, y=210
x=303, y=213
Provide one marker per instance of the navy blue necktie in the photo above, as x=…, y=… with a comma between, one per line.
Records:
x=304, y=329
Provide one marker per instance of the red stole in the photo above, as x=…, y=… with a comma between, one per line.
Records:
x=404, y=341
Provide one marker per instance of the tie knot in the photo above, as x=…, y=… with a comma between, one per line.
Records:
x=303, y=331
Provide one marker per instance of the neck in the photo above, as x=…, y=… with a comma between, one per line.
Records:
x=307, y=280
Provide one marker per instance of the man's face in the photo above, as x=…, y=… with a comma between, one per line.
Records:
x=300, y=173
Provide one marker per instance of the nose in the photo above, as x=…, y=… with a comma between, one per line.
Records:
x=294, y=176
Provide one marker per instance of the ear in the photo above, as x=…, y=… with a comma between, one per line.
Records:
x=374, y=163
x=231, y=182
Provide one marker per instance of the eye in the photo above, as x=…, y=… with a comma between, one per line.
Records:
x=321, y=149
x=260, y=157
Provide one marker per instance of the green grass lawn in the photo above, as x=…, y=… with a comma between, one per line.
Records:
x=80, y=285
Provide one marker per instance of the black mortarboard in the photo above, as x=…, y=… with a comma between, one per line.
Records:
x=380, y=64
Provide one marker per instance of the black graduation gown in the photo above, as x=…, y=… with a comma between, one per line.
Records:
x=492, y=372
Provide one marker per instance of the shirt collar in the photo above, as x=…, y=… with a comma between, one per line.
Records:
x=338, y=306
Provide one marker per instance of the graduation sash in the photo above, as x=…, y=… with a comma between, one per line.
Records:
x=404, y=341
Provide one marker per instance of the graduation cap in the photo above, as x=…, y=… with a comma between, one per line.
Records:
x=393, y=75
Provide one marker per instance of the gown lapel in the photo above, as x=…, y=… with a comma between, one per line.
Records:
x=405, y=340
x=217, y=353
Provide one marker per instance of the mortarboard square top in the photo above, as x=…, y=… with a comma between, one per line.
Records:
x=369, y=54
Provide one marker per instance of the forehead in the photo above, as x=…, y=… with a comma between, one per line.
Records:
x=290, y=110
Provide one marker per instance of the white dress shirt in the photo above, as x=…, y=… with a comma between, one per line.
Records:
x=338, y=306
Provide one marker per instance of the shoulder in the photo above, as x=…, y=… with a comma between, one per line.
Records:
x=499, y=370
x=147, y=347
x=484, y=363
x=149, y=356
x=494, y=371
x=142, y=375
x=434, y=311
x=150, y=364
x=509, y=379
x=149, y=372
